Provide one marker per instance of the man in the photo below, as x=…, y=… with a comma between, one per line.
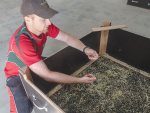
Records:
x=26, y=46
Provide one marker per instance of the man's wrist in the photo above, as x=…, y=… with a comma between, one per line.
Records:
x=85, y=48
x=80, y=80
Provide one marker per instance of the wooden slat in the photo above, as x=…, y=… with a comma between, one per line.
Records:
x=104, y=38
x=28, y=73
x=109, y=28
x=128, y=66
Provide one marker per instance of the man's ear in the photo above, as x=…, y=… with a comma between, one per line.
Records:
x=27, y=18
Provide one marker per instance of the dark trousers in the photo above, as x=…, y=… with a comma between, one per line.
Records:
x=19, y=102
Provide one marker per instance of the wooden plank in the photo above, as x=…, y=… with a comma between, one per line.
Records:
x=32, y=89
x=74, y=74
x=128, y=66
x=28, y=73
x=109, y=28
x=104, y=38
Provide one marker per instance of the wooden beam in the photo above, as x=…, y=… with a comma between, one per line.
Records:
x=109, y=28
x=26, y=70
x=104, y=38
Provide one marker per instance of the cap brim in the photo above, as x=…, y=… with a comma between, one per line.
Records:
x=47, y=13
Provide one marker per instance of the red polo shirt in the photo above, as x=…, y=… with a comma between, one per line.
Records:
x=26, y=49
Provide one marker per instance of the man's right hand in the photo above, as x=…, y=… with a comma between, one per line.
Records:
x=89, y=78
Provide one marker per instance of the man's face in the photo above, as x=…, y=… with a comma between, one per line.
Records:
x=39, y=24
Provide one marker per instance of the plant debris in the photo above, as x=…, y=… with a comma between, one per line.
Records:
x=117, y=89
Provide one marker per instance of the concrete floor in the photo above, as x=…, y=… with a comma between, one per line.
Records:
x=76, y=17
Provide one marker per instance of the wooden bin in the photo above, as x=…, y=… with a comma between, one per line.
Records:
x=123, y=47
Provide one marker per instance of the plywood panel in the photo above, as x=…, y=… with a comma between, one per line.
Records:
x=130, y=48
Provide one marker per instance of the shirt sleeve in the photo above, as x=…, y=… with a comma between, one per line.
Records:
x=53, y=31
x=28, y=51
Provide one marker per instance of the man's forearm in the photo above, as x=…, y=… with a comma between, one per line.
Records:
x=70, y=40
x=75, y=43
x=61, y=78
x=41, y=69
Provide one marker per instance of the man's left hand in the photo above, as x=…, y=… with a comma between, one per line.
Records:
x=92, y=55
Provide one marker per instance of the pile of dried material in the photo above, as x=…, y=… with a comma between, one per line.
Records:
x=117, y=89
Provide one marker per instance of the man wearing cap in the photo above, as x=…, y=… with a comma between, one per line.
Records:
x=26, y=46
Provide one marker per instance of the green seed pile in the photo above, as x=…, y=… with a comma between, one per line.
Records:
x=117, y=89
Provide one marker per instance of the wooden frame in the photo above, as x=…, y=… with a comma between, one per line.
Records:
x=102, y=50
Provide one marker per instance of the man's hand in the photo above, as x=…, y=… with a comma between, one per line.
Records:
x=88, y=78
x=92, y=55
